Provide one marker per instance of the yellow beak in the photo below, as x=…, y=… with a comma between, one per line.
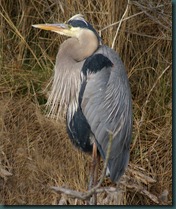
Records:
x=51, y=27
x=63, y=29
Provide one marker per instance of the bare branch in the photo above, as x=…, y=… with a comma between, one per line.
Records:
x=143, y=191
x=89, y=193
x=134, y=178
x=72, y=193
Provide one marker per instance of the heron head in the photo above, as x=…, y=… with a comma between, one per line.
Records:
x=72, y=28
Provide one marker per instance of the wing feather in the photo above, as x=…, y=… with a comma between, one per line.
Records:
x=106, y=104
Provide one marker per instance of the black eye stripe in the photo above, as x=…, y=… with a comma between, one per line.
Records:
x=78, y=23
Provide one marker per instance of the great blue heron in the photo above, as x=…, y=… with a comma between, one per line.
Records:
x=90, y=84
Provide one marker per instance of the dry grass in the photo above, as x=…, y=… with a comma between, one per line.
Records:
x=35, y=152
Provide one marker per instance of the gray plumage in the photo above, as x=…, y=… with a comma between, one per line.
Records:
x=107, y=107
x=105, y=99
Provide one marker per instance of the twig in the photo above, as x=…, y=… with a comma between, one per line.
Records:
x=119, y=25
x=147, y=99
x=115, y=23
x=142, y=177
x=142, y=119
x=134, y=178
x=82, y=195
x=93, y=190
x=141, y=190
x=127, y=18
x=70, y=192
x=17, y=32
x=89, y=193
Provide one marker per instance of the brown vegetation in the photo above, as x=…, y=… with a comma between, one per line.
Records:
x=35, y=152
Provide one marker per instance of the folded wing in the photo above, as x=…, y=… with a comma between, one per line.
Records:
x=105, y=100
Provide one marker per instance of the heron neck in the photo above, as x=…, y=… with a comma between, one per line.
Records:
x=79, y=48
x=87, y=45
